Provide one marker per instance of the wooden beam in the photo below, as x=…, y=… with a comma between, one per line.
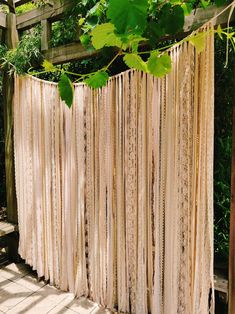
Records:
x=67, y=53
x=46, y=35
x=11, y=33
x=221, y=286
x=21, y=2
x=56, y=10
x=8, y=94
x=231, y=295
x=52, y=13
x=11, y=6
x=3, y=20
x=200, y=16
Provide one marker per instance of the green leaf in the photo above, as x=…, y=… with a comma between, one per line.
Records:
x=48, y=66
x=159, y=65
x=171, y=18
x=103, y=35
x=85, y=40
x=128, y=15
x=220, y=3
x=154, y=32
x=198, y=41
x=219, y=32
x=66, y=90
x=187, y=7
x=205, y=3
x=134, y=61
x=134, y=40
x=97, y=80
x=81, y=21
x=131, y=41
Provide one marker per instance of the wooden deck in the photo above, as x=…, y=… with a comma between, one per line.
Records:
x=6, y=228
x=21, y=292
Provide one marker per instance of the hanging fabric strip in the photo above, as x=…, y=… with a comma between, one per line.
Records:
x=115, y=195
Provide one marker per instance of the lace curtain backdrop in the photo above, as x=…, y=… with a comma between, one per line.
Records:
x=115, y=195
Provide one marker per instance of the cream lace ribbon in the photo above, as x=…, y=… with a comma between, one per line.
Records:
x=115, y=196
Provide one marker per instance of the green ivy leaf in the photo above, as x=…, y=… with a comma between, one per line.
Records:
x=198, y=41
x=134, y=61
x=159, y=65
x=187, y=7
x=128, y=15
x=154, y=32
x=81, y=21
x=85, y=40
x=205, y=3
x=48, y=66
x=171, y=18
x=97, y=80
x=66, y=90
x=219, y=32
x=103, y=35
x=131, y=41
x=220, y=3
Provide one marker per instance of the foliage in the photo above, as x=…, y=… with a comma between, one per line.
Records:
x=26, y=7
x=64, y=32
x=126, y=26
x=129, y=17
x=25, y=56
x=223, y=146
x=66, y=89
x=159, y=65
x=97, y=79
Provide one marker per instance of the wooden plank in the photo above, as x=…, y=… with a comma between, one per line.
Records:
x=48, y=12
x=3, y=20
x=21, y=2
x=46, y=35
x=11, y=5
x=6, y=228
x=12, y=37
x=8, y=93
x=231, y=296
x=200, y=16
x=221, y=284
x=66, y=53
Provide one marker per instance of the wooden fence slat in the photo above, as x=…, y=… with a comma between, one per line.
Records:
x=8, y=92
x=231, y=295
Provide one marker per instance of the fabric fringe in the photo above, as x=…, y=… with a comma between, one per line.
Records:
x=115, y=196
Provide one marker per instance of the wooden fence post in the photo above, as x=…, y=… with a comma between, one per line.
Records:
x=46, y=35
x=8, y=93
x=231, y=290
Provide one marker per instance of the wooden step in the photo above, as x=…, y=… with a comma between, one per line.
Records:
x=221, y=286
x=6, y=228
